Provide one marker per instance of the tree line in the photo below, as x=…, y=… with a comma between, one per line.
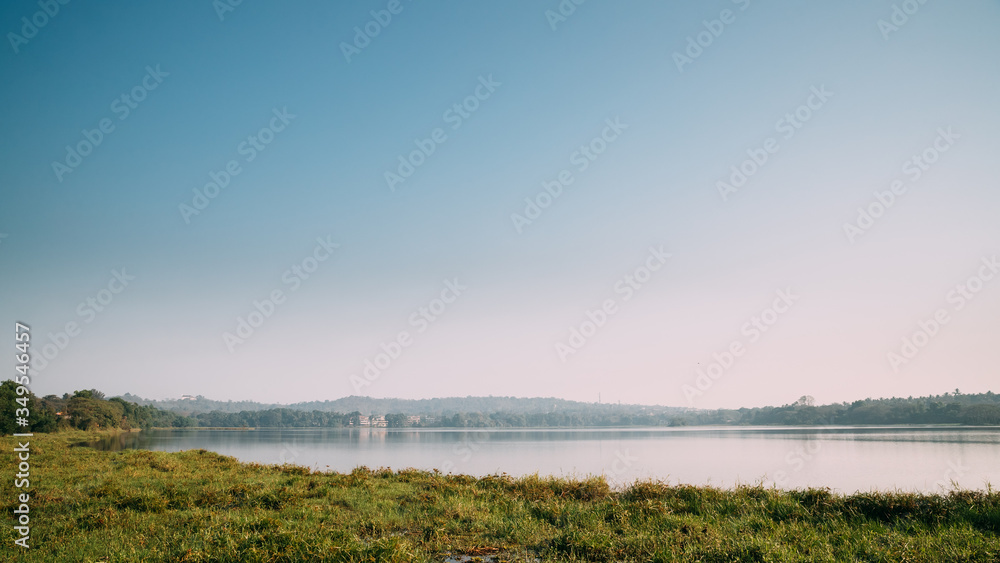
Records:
x=90, y=410
x=957, y=408
x=950, y=408
x=84, y=410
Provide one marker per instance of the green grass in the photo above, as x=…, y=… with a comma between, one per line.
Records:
x=200, y=506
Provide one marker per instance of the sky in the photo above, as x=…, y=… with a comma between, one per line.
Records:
x=713, y=204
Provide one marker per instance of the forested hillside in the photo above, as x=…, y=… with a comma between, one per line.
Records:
x=440, y=406
x=200, y=404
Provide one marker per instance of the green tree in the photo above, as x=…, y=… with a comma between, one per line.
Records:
x=352, y=419
x=395, y=420
x=91, y=414
x=40, y=418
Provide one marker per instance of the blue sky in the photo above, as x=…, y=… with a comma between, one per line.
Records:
x=219, y=81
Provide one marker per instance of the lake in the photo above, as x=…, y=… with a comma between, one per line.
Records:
x=845, y=459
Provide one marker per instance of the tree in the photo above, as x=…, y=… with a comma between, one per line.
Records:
x=91, y=414
x=40, y=418
x=353, y=419
x=395, y=420
x=89, y=394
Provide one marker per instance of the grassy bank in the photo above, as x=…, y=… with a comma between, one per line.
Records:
x=199, y=506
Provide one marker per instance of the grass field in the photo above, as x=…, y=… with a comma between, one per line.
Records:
x=136, y=506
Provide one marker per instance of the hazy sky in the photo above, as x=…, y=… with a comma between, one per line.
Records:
x=253, y=203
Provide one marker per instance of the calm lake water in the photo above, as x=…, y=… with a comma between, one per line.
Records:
x=846, y=459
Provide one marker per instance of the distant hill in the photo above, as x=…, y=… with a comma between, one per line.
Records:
x=200, y=404
x=445, y=406
x=453, y=405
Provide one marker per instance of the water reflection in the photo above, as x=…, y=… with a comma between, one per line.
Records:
x=843, y=458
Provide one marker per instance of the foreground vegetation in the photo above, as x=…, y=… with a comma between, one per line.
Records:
x=136, y=506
